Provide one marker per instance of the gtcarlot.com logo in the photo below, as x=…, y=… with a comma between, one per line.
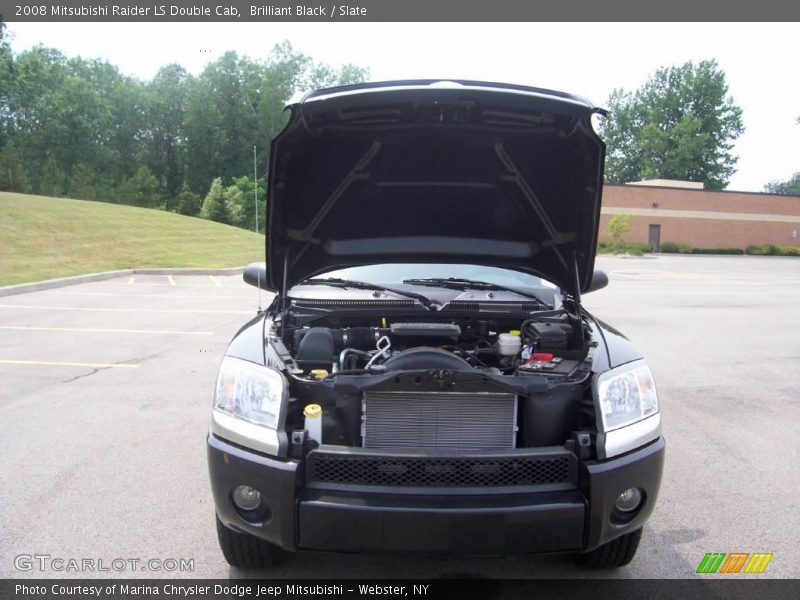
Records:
x=47, y=562
x=735, y=562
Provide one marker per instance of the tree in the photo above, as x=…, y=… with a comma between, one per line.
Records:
x=188, y=201
x=12, y=173
x=235, y=200
x=6, y=83
x=80, y=184
x=618, y=226
x=247, y=187
x=166, y=110
x=140, y=190
x=215, y=207
x=681, y=124
x=52, y=183
x=790, y=187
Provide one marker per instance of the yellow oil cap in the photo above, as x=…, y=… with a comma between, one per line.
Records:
x=312, y=411
x=515, y=332
x=319, y=373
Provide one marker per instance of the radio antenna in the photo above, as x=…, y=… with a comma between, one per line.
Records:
x=255, y=200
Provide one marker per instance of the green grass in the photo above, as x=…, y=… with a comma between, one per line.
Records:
x=45, y=238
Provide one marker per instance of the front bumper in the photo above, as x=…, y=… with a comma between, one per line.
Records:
x=352, y=518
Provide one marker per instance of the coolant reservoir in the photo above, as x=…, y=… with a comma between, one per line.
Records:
x=509, y=344
x=313, y=415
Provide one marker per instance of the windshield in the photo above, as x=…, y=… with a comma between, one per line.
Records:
x=396, y=274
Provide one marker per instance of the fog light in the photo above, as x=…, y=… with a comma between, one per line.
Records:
x=246, y=498
x=629, y=500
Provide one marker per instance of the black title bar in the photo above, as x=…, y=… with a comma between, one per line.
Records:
x=398, y=10
x=705, y=588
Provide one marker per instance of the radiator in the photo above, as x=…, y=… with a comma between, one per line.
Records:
x=447, y=420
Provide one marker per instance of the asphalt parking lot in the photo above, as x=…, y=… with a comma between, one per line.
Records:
x=106, y=391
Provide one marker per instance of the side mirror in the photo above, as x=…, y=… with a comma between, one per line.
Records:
x=599, y=281
x=256, y=275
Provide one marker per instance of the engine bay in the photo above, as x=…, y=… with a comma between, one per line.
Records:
x=413, y=380
x=551, y=342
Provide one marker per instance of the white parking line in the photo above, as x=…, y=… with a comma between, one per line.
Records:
x=645, y=275
x=131, y=280
x=171, y=280
x=93, y=330
x=48, y=363
x=130, y=310
x=214, y=279
x=160, y=296
x=137, y=284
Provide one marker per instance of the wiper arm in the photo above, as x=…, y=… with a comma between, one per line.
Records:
x=363, y=285
x=458, y=283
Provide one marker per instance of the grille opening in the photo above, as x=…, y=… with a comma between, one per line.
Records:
x=440, y=420
x=439, y=472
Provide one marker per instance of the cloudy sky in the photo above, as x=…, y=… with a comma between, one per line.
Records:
x=760, y=61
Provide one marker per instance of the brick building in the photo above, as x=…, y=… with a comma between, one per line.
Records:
x=678, y=211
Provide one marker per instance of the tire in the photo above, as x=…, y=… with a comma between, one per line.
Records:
x=616, y=553
x=247, y=551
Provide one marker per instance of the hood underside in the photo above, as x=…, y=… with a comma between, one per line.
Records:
x=439, y=172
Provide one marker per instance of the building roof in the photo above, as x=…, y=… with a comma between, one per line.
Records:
x=676, y=183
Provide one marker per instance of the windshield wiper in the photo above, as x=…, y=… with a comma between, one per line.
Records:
x=458, y=283
x=363, y=285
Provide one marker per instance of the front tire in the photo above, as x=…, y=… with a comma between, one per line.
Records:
x=616, y=553
x=246, y=551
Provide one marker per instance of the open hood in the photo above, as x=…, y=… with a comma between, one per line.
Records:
x=441, y=172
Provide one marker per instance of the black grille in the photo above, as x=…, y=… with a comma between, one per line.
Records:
x=531, y=306
x=474, y=305
x=353, y=303
x=440, y=472
x=464, y=305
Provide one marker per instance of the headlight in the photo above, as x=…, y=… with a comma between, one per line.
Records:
x=625, y=395
x=251, y=392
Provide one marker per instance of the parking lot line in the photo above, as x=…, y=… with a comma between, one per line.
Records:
x=214, y=279
x=160, y=296
x=171, y=280
x=652, y=275
x=130, y=310
x=94, y=330
x=137, y=284
x=49, y=363
x=131, y=280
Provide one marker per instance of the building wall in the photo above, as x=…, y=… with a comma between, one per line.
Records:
x=704, y=218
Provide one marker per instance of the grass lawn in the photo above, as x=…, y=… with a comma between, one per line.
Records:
x=45, y=238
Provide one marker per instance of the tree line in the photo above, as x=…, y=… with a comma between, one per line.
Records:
x=682, y=124
x=79, y=128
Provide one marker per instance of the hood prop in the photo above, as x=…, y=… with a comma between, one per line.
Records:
x=576, y=274
x=284, y=290
x=576, y=297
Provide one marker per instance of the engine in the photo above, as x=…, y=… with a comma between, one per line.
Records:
x=534, y=345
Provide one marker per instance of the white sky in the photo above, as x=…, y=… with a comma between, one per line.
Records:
x=589, y=59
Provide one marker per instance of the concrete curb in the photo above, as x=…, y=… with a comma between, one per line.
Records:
x=47, y=284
